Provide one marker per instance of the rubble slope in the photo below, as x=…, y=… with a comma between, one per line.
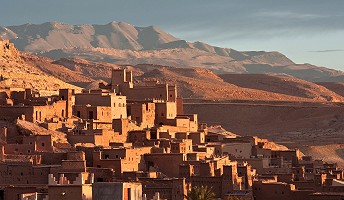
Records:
x=16, y=72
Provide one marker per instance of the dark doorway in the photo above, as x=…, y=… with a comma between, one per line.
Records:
x=90, y=114
x=150, y=164
x=2, y=195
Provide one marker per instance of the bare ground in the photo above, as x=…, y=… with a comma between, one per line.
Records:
x=292, y=125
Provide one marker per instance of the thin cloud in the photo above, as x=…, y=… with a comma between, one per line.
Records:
x=290, y=15
x=327, y=51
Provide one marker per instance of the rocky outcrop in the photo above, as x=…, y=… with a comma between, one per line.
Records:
x=16, y=72
x=7, y=50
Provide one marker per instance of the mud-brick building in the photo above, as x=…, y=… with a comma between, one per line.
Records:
x=37, y=109
x=117, y=191
x=121, y=159
x=99, y=105
x=122, y=83
x=76, y=186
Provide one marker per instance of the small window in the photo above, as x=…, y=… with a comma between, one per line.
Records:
x=43, y=144
x=29, y=151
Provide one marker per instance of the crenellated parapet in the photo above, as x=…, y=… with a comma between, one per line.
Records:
x=81, y=179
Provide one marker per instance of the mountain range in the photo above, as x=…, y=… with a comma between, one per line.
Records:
x=123, y=43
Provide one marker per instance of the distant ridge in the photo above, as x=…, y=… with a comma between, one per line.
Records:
x=56, y=35
x=123, y=43
x=49, y=36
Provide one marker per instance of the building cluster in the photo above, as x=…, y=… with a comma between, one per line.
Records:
x=135, y=142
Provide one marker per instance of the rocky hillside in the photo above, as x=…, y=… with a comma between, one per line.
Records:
x=283, y=84
x=317, y=129
x=329, y=153
x=16, y=72
x=336, y=87
x=192, y=83
x=49, y=66
x=122, y=43
x=204, y=84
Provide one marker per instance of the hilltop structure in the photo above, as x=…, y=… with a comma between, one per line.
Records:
x=134, y=142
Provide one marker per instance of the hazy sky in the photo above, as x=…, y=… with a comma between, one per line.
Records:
x=307, y=31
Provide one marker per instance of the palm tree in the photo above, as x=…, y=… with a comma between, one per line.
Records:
x=201, y=193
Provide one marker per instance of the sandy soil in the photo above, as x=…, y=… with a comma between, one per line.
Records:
x=292, y=125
